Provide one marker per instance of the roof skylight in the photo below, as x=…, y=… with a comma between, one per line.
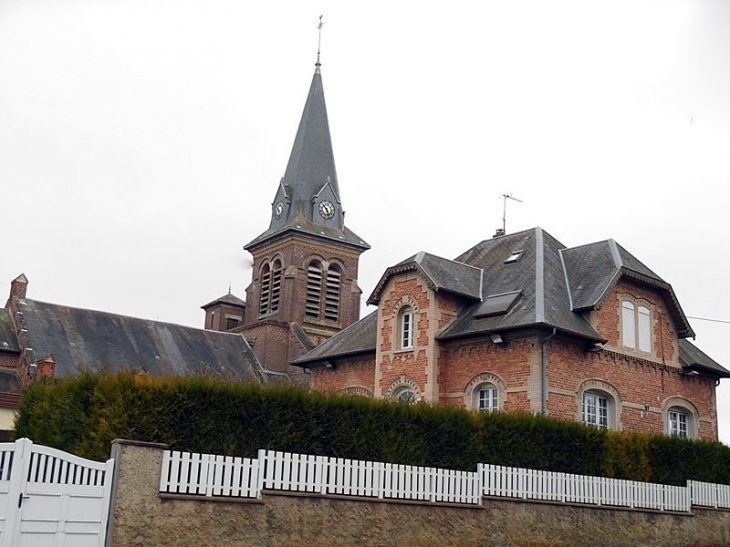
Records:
x=514, y=257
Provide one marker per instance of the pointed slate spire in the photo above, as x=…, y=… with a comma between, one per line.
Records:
x=312, y=162
x=308, y=197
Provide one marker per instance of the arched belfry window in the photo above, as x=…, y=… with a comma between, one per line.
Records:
x=314, y=289
x=323, y=291
x=332, y=294
x=265, y=289
x=270, y=288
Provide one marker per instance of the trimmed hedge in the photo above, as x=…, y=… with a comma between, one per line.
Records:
x=84, y=413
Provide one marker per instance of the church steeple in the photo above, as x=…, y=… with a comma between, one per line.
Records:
x=308, y=196
x=305, y=265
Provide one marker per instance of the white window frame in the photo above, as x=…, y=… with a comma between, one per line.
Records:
x=678, y=422
x=636, y=332
x=486, y=397
x=406, y=328
x=597, y=409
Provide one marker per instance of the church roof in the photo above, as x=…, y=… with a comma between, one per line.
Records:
x=87, y=339
x=310, y=181
x=8, y=340
x=227, y=298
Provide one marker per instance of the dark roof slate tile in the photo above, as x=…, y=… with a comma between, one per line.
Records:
x=87, y=339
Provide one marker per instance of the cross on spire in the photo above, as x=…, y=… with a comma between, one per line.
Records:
x=319, y=43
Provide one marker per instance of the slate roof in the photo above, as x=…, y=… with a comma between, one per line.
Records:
x=227, y=298
x=695, y=359
x=553, y=287
x=310, y=169
x=8, y=340
x=538, y=273
x=360, y=337
x=87, y=339
x=594, y=268
x=441, y=274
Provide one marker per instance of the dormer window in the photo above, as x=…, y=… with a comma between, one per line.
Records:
x=514, y=257
x=636, y=326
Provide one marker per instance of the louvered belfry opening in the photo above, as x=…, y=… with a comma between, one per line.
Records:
x=265, y=290
x=314, y=289
x=275, y=286
x=332, y=294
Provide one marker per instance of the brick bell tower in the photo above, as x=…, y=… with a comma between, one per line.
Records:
x=305, y=265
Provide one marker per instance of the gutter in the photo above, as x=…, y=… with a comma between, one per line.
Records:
x=543, y=382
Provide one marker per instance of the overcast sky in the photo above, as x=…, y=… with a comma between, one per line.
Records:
x=142, y=141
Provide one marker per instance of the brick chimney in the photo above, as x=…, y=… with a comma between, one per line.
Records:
x=18, y=287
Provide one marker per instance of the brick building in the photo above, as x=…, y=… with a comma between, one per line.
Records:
x=518, y=322
x=521, y=323
x=304, y=283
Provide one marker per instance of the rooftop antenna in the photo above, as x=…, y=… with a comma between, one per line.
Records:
x=319, y=43
x=505, y=197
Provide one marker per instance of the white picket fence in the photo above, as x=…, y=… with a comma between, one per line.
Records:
x=208, y=475
x=530, y=484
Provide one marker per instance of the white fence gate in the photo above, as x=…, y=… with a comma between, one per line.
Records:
x=49, y=498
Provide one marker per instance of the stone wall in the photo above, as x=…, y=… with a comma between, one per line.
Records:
x=143, y=517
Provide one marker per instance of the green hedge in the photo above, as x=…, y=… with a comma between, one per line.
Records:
x=84, y=413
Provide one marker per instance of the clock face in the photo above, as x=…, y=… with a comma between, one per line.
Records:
x=326, y=209
x=278, y=209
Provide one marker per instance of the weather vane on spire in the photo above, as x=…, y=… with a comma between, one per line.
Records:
x=319, y=42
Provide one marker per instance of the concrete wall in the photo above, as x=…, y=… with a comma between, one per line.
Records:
x=143, y=517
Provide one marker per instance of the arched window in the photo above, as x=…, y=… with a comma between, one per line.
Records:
x=265, y=300
x=314, y=289
x=406, y=328
x=332, y=294
x=275, y=286
x=485, y=397
x=681, y=418
x=405, y=394
x=678, y=422
x=596, y=409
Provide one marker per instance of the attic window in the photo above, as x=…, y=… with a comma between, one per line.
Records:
x=514, y=257
x=496, y=304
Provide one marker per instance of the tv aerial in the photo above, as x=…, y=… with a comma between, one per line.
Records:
x=505, y=197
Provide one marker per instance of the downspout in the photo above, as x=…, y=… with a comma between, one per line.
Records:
x=544, y=371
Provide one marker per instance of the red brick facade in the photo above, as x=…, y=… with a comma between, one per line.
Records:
x=272, y=333
x=640, y=385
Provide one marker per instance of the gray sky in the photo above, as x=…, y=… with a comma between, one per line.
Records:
x=141, y=142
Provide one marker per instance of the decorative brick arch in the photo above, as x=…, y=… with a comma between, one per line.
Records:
x=356, y=390
x=685, y=405
x=403, y=381
x=484, y=378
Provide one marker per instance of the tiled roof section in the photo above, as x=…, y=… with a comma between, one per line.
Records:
x=695, y=359
x=538, y=273
x=441, y=274
x=8, y=340
x=87, y=339
x=360, y=337
x=591, y=271
x=226, y=299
